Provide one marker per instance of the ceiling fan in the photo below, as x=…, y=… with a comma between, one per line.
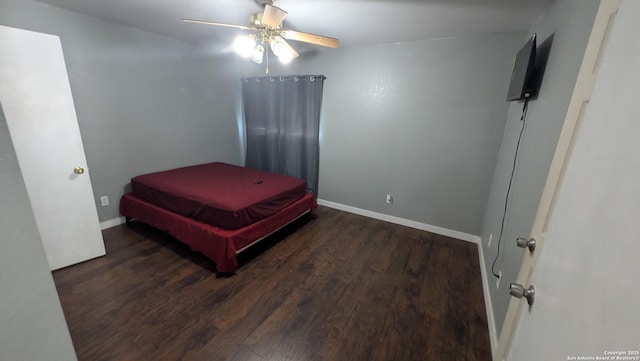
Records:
x=267, y=30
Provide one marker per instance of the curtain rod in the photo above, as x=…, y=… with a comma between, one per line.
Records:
x=283, y=78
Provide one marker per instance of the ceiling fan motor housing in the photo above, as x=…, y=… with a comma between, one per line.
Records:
x=264, y=2
x=256, y=19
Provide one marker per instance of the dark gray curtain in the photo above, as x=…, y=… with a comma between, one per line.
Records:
x=282, y=117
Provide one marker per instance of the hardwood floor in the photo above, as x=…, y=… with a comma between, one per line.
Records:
x=338, y=287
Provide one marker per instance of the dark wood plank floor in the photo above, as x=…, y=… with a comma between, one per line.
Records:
x=338, y=287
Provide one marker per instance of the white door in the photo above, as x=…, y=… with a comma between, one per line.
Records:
x=586, y=272
x=36, y=100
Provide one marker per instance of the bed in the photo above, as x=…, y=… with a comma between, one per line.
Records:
x=217, y=209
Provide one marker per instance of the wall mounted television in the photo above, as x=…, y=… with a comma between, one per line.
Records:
x=523, y=84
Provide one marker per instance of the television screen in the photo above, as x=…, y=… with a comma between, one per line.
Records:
x=521, y=83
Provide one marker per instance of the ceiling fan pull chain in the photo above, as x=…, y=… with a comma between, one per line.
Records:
x=266, y=71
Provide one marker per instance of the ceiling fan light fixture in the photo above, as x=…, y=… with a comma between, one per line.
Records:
x=278, y=47
x=244, y=45
x=258, y=54
x=285, y=58
x=282, y=50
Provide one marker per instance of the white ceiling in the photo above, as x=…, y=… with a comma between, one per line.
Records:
x=354, y=22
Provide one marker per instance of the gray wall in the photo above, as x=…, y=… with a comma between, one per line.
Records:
x=421, y=120
x=571, y=21
x=32, y=323
x=144, y=102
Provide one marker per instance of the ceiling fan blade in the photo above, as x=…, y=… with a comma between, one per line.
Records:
x=273, y=16
x=311, y=38
x=291, y=49
x=217, y=24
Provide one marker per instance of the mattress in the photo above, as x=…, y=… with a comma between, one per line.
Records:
x=219, y=194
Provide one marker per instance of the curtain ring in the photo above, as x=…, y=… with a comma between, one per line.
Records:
x=296, y=78
x=281, y=78
x=312, y=78
x=272, y=79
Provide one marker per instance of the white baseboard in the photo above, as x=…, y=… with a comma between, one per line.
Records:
x=493, y=334
x=111, y=223
x=402, y=221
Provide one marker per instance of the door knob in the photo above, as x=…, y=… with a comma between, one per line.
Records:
x=78, y=170
x=527, y=243
x=518, y=291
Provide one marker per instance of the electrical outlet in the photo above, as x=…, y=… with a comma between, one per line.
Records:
x=499, y=279
x=490, y=239
x=389, y=199
x=104, y=201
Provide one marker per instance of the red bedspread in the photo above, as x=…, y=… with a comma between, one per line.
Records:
x=219, y=194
